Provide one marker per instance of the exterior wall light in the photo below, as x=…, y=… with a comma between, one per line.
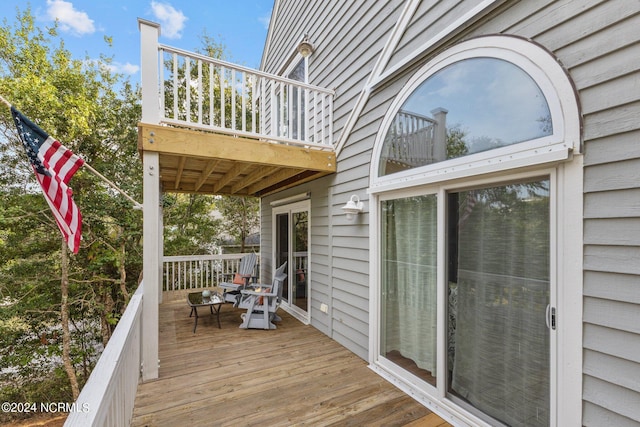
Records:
x=352, y=208
x=305, y=47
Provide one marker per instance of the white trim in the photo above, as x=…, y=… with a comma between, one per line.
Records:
x=385, y=55
x=269, y=38
x=570, y=292
x=479, y=10
x=484, y=163
x=296, y=58
x=444, y=408
x=291, y=199
x=291, y=208
x=543, y=68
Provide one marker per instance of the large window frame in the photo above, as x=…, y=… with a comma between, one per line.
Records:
x=553, y=156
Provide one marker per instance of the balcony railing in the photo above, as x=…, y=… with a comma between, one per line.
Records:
x=108, y=397
x=415, y=140
x=200, y=92
x=199, y=271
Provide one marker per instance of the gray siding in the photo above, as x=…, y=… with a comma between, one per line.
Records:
x=599, y=44
x=348, y=37
x=607, y=34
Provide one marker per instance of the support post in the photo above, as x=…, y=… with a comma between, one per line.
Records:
x=152, y=218
x=440, y=136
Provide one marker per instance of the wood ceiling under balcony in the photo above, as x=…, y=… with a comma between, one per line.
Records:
x=202, y=162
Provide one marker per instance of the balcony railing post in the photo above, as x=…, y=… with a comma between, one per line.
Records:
x=149, y=33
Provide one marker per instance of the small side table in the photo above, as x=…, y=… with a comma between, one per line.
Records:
x=195, y=300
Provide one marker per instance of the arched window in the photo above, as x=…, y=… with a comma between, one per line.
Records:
x=470, y=106
x=489, y=104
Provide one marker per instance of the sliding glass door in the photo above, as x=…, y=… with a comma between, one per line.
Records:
x=486, y=251
x=291, y=244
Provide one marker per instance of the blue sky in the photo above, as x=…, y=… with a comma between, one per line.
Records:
x=241, y=25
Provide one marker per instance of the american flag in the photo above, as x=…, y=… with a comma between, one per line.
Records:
x=54, y=165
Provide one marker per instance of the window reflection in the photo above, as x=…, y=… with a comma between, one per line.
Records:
x=468, y=107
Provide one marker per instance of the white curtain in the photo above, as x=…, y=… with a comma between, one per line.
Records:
x=500, y=363
x=409, y=279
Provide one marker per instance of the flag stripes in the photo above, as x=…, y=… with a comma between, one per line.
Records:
x=54, y=165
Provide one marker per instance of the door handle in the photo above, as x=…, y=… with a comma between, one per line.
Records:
x=550, y=317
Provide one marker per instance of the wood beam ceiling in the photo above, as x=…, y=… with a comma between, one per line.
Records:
x=204, y=162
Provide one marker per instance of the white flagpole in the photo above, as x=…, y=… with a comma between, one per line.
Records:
x=136, y=205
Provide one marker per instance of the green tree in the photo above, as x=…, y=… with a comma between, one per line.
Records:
x=240, y=216
x=74, y=100
x=456, y=145
x=190, y=228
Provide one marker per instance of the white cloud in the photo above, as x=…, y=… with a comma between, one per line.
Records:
x=171, y=20
x=265, y=20
x=70, y=19
x=113, y=67
x=127, y=68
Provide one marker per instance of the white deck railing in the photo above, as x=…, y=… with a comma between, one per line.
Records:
x=415, y=140
x=108, y=397
x=201, y=92
x=199, y=271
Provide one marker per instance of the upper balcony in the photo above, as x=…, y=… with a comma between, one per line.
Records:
x=222, y=128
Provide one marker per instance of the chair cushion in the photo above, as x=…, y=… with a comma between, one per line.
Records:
x=238, y=279
x=261, y=299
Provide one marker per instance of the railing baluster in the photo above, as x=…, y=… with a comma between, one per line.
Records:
x=323, y=112
x=299, y=115
x=187, y=88
x=273, y=114
x=290, y=115
x=162, y=88
x=223, y=122
x=199, y=92
x=173, y=276
x=211, y=95
x=178, y=279
x=305, y=120
x=233, y=99
x=315, y=116
x=254, y=103
x=263, y=104
x=284, y=117
x=244, y=102
x=329, y=140
x=191, y=272
x=165, y=279
x=175, y=87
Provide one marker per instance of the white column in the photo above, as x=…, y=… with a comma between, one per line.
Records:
x=440, y=136
x=152, y=218
x=149, y=72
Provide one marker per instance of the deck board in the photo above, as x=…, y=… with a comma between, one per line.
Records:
x=289, y=376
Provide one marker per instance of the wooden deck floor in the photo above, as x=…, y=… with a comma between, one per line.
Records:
x=294, y=375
